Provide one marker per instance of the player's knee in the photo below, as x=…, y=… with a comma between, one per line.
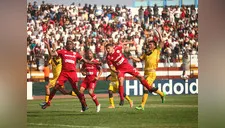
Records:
x=110, y=94
x=46, y=87
x=90, y=92
x=145, y=91
x=81, y=91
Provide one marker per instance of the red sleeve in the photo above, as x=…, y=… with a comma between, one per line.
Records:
x=78, y=56
x=119, y=47
x=60, y=52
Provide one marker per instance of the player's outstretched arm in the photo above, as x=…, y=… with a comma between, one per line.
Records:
x=49, y=50
x=136, y=59
x=128, y=42
x=99, y=73
x=161, y=41
x=90, y=62
x=83, y=71
x=112, y=69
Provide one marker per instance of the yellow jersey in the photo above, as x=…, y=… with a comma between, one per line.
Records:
x=56, y=66
x=151, y=61
x=113, y=76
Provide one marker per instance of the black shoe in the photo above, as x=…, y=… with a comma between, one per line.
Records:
x=84, y=109
x=121, y=102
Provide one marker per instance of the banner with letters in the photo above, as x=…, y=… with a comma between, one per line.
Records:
x=170, y=87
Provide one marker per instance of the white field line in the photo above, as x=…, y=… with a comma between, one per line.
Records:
x=63, y=125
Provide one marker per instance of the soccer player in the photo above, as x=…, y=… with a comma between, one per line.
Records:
x=116, y=59
x=68, y=72
x=92, y=72
x=113, y=87
x=56, y=69
x=151, y=58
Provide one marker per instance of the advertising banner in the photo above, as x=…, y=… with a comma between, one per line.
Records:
x=170, y=87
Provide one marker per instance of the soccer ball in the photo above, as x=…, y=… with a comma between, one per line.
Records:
x=98, y=12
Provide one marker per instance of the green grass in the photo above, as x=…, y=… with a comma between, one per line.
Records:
x=180, y=111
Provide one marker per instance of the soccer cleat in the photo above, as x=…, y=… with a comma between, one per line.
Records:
x=84, y=109
x=111, y=106
x=131, y=104
x=45, y=105
x=163, y=97
x=41, y=104
x=140, y=108
x=98, y=108
x=121, y=102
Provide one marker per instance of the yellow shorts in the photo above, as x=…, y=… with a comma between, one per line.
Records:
x=113, y=86
x=53, y=82
x=150, y=77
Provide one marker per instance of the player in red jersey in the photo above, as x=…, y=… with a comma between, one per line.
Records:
x=116, y=58
x=68, y=72
x=89, y=82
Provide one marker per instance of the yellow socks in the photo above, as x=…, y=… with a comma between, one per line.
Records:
x=128, y=98
x=111, y=101
x=160, y=93
x=144, y=99
x=46, y=98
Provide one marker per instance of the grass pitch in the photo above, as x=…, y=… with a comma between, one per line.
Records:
x=179, y=111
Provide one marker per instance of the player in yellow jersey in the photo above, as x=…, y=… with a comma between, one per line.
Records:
x=113, y=87
x=151, y=58
x=56, y=69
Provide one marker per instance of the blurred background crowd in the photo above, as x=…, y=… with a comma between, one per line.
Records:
x=91, y=26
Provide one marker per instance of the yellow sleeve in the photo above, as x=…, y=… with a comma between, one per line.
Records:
x=50, y=61
x=142, y=57
x=159, y=49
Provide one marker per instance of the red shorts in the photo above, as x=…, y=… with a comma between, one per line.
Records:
x=128, y=69
x=65, y=75
x=87, y=84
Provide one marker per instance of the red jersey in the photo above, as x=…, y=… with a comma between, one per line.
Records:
x=91, y=70
x=69, y=59
x=117, y=59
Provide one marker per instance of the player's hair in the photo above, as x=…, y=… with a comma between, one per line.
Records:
x=154, y=42
x=109, y=45
x=69, y=41
x=88, y=50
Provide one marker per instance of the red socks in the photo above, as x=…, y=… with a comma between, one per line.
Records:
x=94, y=98
x=121, y=92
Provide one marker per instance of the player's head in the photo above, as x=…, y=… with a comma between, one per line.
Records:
x=151, y=45
x=89, y=54
x=69, y=45
x=109, y=48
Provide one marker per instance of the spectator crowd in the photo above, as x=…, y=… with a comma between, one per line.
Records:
x=91, y=26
